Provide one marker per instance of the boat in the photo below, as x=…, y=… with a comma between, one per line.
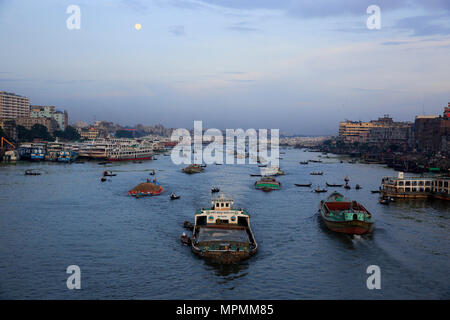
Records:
x=152, y=172
x=345, y=216
x=129, y=153
x=316, y=173
x=334, y=185
x=267, y=184
x=185, y=239
x=318, y=190
x=146, y=189
x=375, y=191
x=102, y=179
x=31, y=172
x=189, y=226
x=384, y=200
x=37, y=153
x=255, y=175
x=347, y=186
x=357, y=187
x=193, y=168
x=173, y=196
x=303, y=162
x=316, y=161
x=271, y=171
x=434, y=187
x=222, y=234
x=303, y=185
x=109, y=174
x=67, y=156
x=215, y=190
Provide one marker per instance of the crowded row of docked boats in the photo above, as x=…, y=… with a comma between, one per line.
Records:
x=99, y=149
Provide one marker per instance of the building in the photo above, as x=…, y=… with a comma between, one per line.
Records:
x=432, y=133
x=29, y=122
x=381, y=131
x=13, y=106
x=9, y=127
x=416, y=187
x=50, y=112
x=89, y=134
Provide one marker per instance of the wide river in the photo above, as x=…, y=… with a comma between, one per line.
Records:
x=130, y=248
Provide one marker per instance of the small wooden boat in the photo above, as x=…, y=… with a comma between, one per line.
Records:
x=316, y=173
x=187, y=225
x=152, y=172
x=334, y=185
x=375, y=191
x=173, y=196
x=255, y=175
x=303, y=185
x=357, y=187
x=31, y=172
x=316, y=161
x=345, y=216
x=104, y=162
x=347, y=187
x=102, y=179
x=318, y=190
x=303, y=162
x=384, y=200
x=214, y=189
x=185, y=239
x=109, y=174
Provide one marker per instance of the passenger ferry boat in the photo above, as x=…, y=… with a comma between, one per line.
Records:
x=416, y=187
x=37, y=153
x=223, y=234
x=345, y=216
x=67, y=156
x=129, y=153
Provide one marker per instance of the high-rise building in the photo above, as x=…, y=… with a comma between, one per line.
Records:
x=13, y=106
x=50, y=112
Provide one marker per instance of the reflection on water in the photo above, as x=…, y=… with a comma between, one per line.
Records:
x=129, y=248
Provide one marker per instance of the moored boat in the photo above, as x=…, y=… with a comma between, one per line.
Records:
x=193, y=168
x=222, y=233
x=345, y=216
x=334, y=185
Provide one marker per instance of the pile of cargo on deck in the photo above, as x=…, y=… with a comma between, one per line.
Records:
x=146, y=189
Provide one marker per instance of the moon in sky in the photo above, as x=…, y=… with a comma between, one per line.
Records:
x=137, y=26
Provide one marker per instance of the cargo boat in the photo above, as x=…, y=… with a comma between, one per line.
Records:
x=345, y=216
x=222, y=234
x=267, y=184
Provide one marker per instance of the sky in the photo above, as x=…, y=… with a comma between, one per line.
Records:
x=298, y=66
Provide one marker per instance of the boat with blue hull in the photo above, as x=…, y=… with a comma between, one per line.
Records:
x=67, y=156
x=37, y=154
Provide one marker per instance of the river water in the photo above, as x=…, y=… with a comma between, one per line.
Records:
x=129, y=248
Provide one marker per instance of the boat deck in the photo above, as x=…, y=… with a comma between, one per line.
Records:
x=207, y=234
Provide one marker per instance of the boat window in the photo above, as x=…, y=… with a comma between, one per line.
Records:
x=427, y=189
x=414, y=183
x=420, y=183
x=227, y=205
x=407, y=183
x=400, y=183
x=427, y=183
x=221, y=204
x=446, y=184
x=408, y=189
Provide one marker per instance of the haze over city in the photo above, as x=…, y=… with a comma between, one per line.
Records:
x=299, y=66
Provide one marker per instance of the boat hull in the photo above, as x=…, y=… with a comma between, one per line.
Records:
x=224, y=257
x=129, y=159
x=349, y=227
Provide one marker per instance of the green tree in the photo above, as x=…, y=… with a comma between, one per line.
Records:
x=124, y=134
x=24, y=134
x=38, y=131
x=70, y=134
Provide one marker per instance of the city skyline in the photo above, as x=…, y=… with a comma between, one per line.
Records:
x=298, y=67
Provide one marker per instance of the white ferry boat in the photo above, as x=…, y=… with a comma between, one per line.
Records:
x=416, y=187
x=129, y=153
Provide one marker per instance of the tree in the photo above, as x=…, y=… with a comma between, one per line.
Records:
x=69, y=134
x=38, y=131
x=124, y=134
x=24, y=134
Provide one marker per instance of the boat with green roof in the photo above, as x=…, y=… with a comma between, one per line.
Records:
x=345, y=216
x=222, y=233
